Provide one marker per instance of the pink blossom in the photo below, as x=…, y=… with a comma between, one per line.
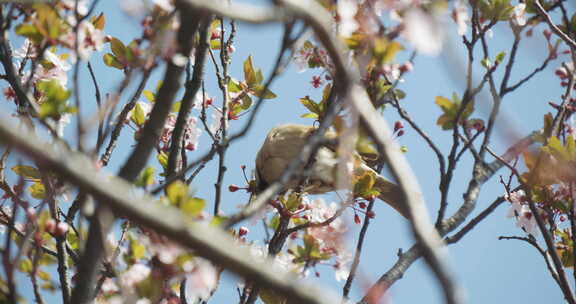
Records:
x=217, y=121
x=165, y=5
x=520, y=210
x=201, y=282
x=316, y=81
x=461, y=17
x=329, y=236
x=90, y=39
x=109, y=287
x=347, y=10
x=135, y=274
x=392, y=71
x=301, y=59
x=519, y=15
x=9, y=93
x=71, y=5
x=423, y=31
x=191, y=132
x=57, y=69
x=27, y=50
x=167, y=253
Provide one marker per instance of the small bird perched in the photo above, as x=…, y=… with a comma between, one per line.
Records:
x=285, y=142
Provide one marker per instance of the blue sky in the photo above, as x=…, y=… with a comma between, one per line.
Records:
x=490, y=271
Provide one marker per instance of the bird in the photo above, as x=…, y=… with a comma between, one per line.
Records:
x=284, y=143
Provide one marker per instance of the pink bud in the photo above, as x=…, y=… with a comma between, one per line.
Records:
x=398, y=125
x=31, y=213
x=233, y=188
x=50, y=226
x=243, y=231
x=406, y=67
x=547, y=34
x=61, y=229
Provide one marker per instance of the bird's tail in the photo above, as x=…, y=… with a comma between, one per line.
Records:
x=391, y=194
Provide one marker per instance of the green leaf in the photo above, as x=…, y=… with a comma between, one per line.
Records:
x=234, y=86
x=118, y=49
x=149, y=95
x=146, y=178
x=385, y=51
x=249, y=73
x=310, y=115
x=177, y=192
x=269, y=296
x=363, y=187
x=27, y=172
x=98, y=21
x=311, y=105
x=193, y=206
x=44, y=275
x=215, y=44
x=162, y=159
x=400, y=94
x=500, y=57
x=111, y=61
x=261, y=91
x=217, y=221
x=274, y=222
x=486, y=63
x=29, y=31
x=138, y=115
x=54, y=99
x=259, y=76
x=246, y=102
x=451, y=108
x=26, y=265
x=176, y=107
x=137, y=251
x=293, y=201
x=37, y=190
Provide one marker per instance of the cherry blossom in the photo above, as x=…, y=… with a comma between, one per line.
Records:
x=201, y=282
x=461, y=17
x=89, y=39
x=423, y=31
x=519, y=15
x=217, y=121
x=191, y=133
x=27, y=50
x=347, y=10
x=520, y=210
x=135, y=274
x=56, y=69
x=71, y=5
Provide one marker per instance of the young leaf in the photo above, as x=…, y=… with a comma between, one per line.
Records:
x=27, y=172
x=249, y=73
x=37, y=190
x=138, y=115
x=193, y=206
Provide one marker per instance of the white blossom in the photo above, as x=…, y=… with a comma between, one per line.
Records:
x=347, y=11
x=201, y=282
x=423, y=31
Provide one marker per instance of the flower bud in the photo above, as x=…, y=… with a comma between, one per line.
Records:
x=243, y=231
